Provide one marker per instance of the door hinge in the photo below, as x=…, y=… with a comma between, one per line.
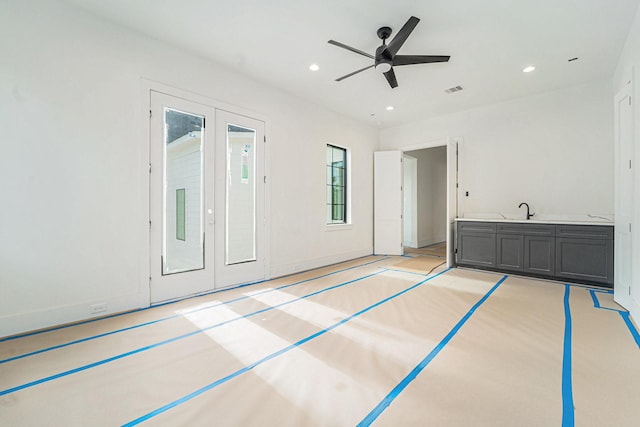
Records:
x=629, y=100
x=265, y=138
x=149, y=167
x=629, y=227
x=204, y=122
x=265, y=179
x=149, y=225
x=150, y=113
x=629, y=163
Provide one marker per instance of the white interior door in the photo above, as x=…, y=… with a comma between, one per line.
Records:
x=624, y=196
x=452, y=198
x=387, y=224
x=181, y=198
x=240, y=200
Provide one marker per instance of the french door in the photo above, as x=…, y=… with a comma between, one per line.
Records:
x=206, y=205
x=240, y=199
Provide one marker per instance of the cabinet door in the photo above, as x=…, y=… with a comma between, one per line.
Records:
x=585, y=259
x=509, y=251
x=539, y=255
x=477, y=249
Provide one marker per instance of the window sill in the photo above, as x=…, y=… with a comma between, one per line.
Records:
x=338, y=227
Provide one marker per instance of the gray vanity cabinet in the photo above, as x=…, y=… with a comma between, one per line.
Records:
x=581, y=253
x=585, y=253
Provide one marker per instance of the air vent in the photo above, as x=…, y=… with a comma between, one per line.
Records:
x=454, y=89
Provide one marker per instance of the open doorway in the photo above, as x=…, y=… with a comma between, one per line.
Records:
x=425, y=201
x=388, y=218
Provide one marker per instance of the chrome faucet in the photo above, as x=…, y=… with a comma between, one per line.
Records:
x=528, y=214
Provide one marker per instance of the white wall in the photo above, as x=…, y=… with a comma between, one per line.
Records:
x=432, y=194
x=553, y=150
x=71, y=105
x=628, y=68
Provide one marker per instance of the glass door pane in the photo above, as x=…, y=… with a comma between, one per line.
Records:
x=183, y=234
x=240, y=224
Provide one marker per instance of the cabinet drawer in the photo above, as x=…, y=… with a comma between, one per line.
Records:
x=527, y=229
x=603, y=232
x=477, y=227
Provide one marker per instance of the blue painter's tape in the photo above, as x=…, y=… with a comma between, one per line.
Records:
x=93, y=337
x=84, y=322
x=235, y=374
x=631, y=326
x=596, y=301
x=593, y=287
x=384, y=404
x=187, y=335
x=567, y=375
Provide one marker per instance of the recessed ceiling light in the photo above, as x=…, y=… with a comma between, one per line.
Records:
x=390, y=107
x=528, y=69
x=314, y=67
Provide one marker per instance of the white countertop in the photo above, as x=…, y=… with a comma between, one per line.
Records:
x=543, y=219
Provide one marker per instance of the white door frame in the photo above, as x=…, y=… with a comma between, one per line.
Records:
x=146, y=86
x=410, y=202
x=625, y=245
x=452, y=186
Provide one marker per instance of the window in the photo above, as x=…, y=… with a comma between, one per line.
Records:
x=336, y=185
x=181, y=215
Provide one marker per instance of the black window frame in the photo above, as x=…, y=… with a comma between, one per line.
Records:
x=337, y=197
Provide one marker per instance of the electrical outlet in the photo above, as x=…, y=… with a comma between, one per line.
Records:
x=98, y=308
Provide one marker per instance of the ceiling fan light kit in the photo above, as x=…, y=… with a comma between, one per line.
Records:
x=386, y=56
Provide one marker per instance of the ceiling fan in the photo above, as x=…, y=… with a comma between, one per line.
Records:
x=386, y=55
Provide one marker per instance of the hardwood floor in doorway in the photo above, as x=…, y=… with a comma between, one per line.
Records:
x=437, y=249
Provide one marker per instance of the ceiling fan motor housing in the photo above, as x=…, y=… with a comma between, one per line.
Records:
x=383, y=61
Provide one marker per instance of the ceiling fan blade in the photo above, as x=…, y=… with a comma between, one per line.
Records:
x=418, y=59
x=355, y=72
x=391, y=78
x=352, y=49
x=397, y=42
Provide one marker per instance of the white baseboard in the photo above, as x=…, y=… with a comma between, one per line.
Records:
x=410, y=244
x=428, y=242
x=291, y=268
x=56, y=316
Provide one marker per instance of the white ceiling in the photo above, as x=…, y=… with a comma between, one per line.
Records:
x=490, y=42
